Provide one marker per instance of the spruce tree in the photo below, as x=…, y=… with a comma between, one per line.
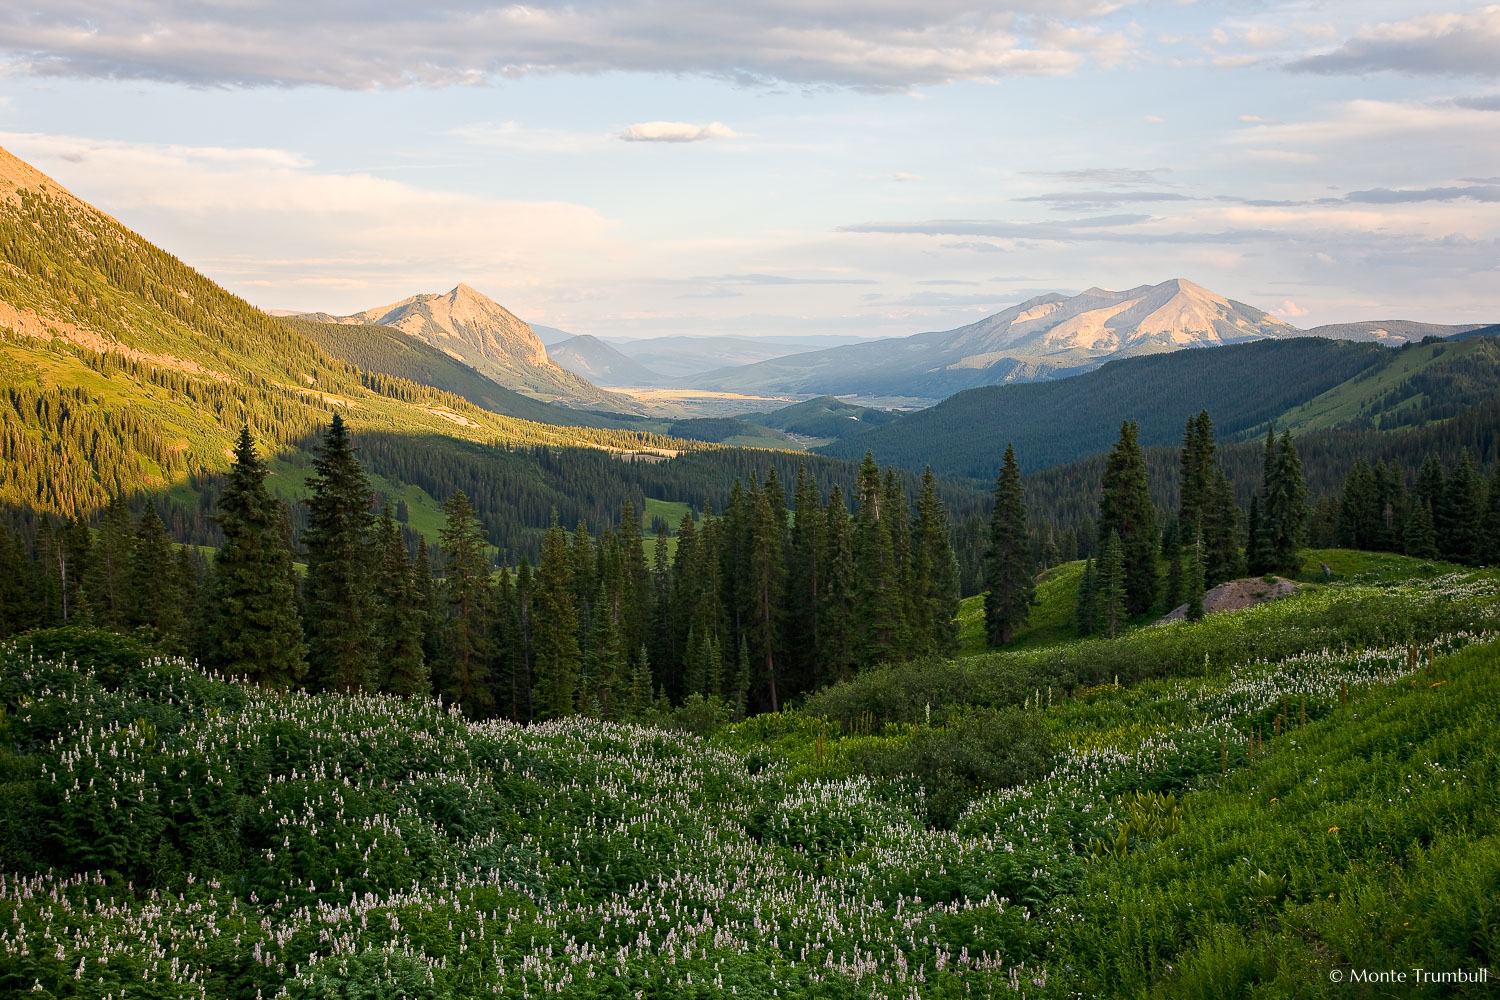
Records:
x=1112, y=594
x=1359, y=509
x=1011, y=591
x=1127, y=510
x=466, y=592
x=836, y=615
x=934, y=577
x=1086, y=611
x=766, y=563
x=1256, y=560
x=1420, y=537
x=805, y=583
x=1195, y=581
x=398, y=615
x=1285, y=510
x=1491, y=551
x=108, y=580
x=255, y=631
x=1196, y=472
x=879, y=626
x=1173, y=546
x=338, y=596
x=554, y=629
x=158, y=598
x=1220, y=534
x=1460, y=519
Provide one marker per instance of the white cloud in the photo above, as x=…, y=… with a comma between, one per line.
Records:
x=899, y=176
x=1448, y=44
x=1288, y=310
x=677, y=132
x=880, y=45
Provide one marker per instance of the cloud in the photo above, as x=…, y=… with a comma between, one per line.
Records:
x=898, y=176
x=1075, y=200
x=1434, y=44
x=677, y=132
x=1484, y=102
x=1288, y=310
x=877, y=46
x=514, y=135
x=1258, y=120
x=784, y=279
x=1118, y=176
x=1387, y=196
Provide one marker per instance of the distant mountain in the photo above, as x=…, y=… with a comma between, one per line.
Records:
x=1302, y=384
x=1044, y=337
x=386, y=350
x=485, y=335
x=823, y=417
x=683, y=358
x=1394, y=332
x=550, y=335
x=600, y=363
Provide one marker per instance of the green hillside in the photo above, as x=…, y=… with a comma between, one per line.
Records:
x=823, y=417
x=122, y=369
x=1129, y=818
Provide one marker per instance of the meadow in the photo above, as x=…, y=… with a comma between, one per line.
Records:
x=1318, y=796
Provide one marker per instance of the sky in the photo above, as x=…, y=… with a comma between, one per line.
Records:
x=640, y=168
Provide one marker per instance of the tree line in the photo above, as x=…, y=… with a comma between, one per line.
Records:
x=739, y=611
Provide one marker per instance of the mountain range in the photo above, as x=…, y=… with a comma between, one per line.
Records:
x=483, y=334
x=589, y=357
x=1047, y=337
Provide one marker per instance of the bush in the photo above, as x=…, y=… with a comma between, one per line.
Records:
x=979, y=751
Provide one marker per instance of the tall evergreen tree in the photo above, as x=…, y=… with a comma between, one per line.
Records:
x=255, y=631
x=1086, y=612
x=159, y=598
x=1111, y=594
x=1460, y=517
x=1011, y=591
x=766, y=562
x=1127, y=510
x=1359, y=509
x=466, y=592
x=108, y=580
x=1420, y=537
x=554, y=629
x=934, y=577
x=1220, y=534
x=338, y=597
x=805, y=582
x=399, y=615
x=1172, y=545
x=1284, y=514
x=1195, y=581
x=1491, y=551
x=1197, y=468
x=836, y=620
x=879, y=626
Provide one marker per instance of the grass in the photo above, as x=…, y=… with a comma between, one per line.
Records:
x=1051, y=619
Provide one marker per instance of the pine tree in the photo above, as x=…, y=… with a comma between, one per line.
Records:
x=1197, y=466
x=934, y=576
x=554, y=629
x=742, y=685
x=1256, y=560
x=158, y=598
x=337, y=592
x=1391, y=505
x=805, y=583
x=1086, y=610
x=836, y=616
x=1359, y=509
x=1127, y=510
x=1491, y=552
x=255, y=631
x=398, y=615
x=1420, y=537
x=108, y=580
x=1011, y=591
x=879, y=626
x=1111, y=593
x=605, y=675
x=1460, y=519
x=1220, y=536
x=1172, y=544
x=1285, y=511
x=1195, y=582
x=466, y=592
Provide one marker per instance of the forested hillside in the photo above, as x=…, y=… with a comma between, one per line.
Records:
x=1245, y=387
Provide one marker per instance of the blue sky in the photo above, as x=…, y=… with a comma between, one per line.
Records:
x=649, y=167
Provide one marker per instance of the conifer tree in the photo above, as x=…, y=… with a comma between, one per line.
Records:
x=766, y=563
x=805, y=581
x=466, y=592
x=836, y=624
x=1197, y=466
x=1195, y=582
x=1011, y=591
x=1220, y=536
x=1284, y=513
x=1430, y=485
x=158, y=598
x=255, y=631
x=1256, y=559
x=523, y=668
x=1391, y=505
x=742, y=685
x=337, y=591
x=604, y=676
x=640, y=686
x=1460, y=518
x=1491, y=552
x=1111, y=592
x=398, y=615
x=879, y=627
x=1127, y=510
x=108, y=580
x=1420, y=537
x=1359, y=509
x=934, y=577
x=1086, y=612
x=554, y=629
x=1172, y=544
x=18, y=586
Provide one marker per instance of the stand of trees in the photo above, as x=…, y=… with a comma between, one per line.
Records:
x=768, y=601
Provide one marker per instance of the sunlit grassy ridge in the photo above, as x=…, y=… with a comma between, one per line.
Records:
x=213, y=840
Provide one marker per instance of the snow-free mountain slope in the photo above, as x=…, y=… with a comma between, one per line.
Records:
x=483, y=334
x=601, y=364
